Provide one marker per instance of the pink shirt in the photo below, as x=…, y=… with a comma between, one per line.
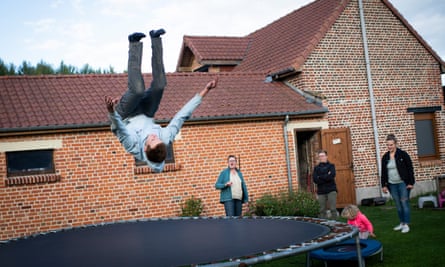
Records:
x=362, y=223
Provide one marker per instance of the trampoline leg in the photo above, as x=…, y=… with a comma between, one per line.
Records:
x=359, y=252
x=308, y=259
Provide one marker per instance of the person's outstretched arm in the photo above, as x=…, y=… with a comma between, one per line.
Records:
x=169, y=133
x=210, y=85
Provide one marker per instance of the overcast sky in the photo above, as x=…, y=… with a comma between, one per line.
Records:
x=95, y=32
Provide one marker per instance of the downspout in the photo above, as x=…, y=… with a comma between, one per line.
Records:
x=371, y=92
x=286, y=147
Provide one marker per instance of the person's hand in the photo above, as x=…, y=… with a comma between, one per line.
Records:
x=372, y=235
x=110, y=103
x=385, y=189
x=212, y=84
x=229, y=184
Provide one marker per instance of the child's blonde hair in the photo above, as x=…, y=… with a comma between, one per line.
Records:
x=350, y=212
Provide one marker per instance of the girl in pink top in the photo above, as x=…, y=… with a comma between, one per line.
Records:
x=359, y=220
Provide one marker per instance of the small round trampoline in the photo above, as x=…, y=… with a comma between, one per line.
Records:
x=211, y=241
x=347, y=250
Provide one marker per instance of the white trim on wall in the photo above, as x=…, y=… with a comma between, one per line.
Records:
x=309, y=125
x=30, y=145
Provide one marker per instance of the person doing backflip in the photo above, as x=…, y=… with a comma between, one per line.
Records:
x=132, y=116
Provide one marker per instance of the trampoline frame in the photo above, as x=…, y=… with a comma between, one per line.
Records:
x=338, y=232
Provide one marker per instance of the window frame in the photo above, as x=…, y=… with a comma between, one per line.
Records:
x=31, y=172
x=432, y=117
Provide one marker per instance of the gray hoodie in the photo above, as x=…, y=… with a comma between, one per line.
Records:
x=133, y=131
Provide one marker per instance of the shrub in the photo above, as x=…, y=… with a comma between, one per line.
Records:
x=298, y=203
x=192, y=207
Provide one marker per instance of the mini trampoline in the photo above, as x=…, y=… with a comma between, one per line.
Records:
x=182, y=241
x=347, y=250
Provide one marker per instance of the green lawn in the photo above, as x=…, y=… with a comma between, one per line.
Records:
x=423, y=246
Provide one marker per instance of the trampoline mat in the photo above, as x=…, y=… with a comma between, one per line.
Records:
x=159, y=242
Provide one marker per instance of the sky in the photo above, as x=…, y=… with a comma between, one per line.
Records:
x=95, y=32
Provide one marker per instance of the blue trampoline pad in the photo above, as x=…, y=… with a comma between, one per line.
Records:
x=347, y=250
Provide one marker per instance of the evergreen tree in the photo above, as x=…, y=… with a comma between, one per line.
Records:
x=26, y=69
x=66, y=69
x=6, y=69
x=43, y=68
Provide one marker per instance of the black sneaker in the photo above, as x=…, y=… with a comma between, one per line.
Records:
x=156, y=33
x=135, y=37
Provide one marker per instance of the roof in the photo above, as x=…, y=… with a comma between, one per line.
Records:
x=229, y=49
x=76, y=101
x=287, y=42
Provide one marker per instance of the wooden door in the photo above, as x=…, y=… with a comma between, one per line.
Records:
x=337, y=142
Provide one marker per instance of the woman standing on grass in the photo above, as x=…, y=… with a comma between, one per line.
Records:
x=233, y=188
x=398, y=178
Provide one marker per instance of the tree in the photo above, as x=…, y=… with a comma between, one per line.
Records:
x=5, y=69
x=43, y=68
x=87, y=69
x=26, y=69
x=66, y=69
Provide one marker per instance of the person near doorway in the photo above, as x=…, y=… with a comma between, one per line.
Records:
x=233, y=188
x=324, y=177
x=397, y=178
x=132, y=115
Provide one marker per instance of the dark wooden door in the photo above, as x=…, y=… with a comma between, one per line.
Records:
x=337, y=142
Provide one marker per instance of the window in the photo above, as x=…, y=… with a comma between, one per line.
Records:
x=169, y=159
x=32, y=162
x=426, y=136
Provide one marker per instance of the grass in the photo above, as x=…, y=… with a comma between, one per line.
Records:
x=423, y=246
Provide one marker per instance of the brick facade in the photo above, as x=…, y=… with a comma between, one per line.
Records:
x=404, y=75
x=98, y=181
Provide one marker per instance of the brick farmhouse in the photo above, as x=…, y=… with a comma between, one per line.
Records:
x=329, y=75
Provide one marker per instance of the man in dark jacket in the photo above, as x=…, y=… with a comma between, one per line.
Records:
x=324, y=177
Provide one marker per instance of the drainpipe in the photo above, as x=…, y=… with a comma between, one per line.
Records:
x=286, y=147
x=371, y=91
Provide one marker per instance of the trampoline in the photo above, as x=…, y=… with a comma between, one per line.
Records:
x=347, y=250
x=182, y=241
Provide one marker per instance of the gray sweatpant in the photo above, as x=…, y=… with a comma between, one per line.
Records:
x=136, y=100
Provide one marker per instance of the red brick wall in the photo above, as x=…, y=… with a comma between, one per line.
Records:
x=98, y=183
x=404, y=75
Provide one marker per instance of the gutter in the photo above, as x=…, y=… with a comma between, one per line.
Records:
x=371, y=91
x=286, y=147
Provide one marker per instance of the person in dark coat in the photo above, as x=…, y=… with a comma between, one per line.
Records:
x=324, y=177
